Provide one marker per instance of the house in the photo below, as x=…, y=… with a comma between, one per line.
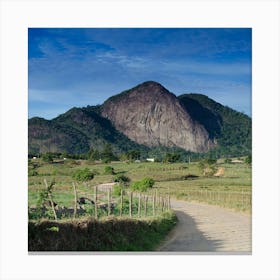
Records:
x=237, y=161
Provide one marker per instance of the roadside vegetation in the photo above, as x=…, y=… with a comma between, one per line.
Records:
x=110, y=234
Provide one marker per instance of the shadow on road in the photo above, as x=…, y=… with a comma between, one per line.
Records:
x=186, y=237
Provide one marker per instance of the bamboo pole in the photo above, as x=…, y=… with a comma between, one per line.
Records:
x=51, y=200
x=154, y=199
x=95, y=202
x=109, y=202
x=169, y=202
x=242, y=200
x=145, y=205
x=130, y=204
x=121, y=206
x=139, y=205
x=75, y=200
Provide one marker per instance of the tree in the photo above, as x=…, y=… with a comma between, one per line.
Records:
x=172, y=157
x=122, y=179
x=107, y=153
x=93, y=154
x=143, y=185
x=47, y=157
x=83, y=175
x=248, y=159
x=133, y=155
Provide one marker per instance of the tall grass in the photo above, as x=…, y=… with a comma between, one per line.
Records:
x=110, y=234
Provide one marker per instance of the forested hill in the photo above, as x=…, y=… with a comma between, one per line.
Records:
x=76, y=132
x=232, y=129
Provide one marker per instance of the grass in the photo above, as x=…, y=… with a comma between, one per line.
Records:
x=232, y=190
x=111, y=234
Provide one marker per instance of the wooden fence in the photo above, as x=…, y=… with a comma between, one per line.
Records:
x=103, y=203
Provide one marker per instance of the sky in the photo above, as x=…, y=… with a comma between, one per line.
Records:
x=76, y=67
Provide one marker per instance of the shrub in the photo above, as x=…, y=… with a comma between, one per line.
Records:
x=143, y=185
x=47, y=157
x=171, y=157
x=123, y=180
x=109, y=170
x=83, y=175
x=248, y=159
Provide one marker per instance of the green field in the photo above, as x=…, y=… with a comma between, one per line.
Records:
x=180, y=180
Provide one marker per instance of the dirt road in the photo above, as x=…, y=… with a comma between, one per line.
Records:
x=208, y=228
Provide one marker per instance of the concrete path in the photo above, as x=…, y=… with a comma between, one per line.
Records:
x=208, y=228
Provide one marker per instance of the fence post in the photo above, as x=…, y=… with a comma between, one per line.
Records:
x=130, y=204
x=51, y=200
x=75, y=202
x=95, y=202
x=139, y=205
x=156, y=198
x=121, y=206
x=109, y=202
x=154, y=212
x=242, y=200
x=145, y=205
x=169, y=204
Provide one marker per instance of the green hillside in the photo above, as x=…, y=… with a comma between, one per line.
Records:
x=232, y=129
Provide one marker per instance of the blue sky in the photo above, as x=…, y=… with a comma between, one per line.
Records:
x=70, y=67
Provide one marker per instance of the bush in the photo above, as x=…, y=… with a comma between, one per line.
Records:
x=47, y=157
x=123, y=180
x=143, y=185
x=109, y=170
x=83, y=175
x=172, y=157
x=248, y=159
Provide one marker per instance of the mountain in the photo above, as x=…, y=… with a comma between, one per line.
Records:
x=145, y=118
x=231, y=129
x=75, y=132
x=150, y=115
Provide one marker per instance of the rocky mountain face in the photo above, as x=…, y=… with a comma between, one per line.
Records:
x=150, y=115
x=142, y=118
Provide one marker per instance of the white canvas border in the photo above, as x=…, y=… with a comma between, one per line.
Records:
x=262, y=16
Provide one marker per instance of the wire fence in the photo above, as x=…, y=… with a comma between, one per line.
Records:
x=237, y=200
